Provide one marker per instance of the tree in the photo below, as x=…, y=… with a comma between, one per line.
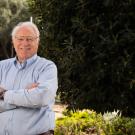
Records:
x=12, y=12
x=92, y=43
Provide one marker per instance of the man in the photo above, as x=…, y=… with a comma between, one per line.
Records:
x=28, y=85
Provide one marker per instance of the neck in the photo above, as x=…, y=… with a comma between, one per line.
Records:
x=20, y=60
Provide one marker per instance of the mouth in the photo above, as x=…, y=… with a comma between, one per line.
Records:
x=24, y=49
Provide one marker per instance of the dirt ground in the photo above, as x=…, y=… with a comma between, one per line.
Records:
x=58, y=109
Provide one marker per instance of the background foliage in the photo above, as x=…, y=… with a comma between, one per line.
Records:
x=12, y=12
x=88, y=122
x=92, y=42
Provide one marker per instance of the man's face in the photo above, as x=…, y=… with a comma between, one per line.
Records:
x=25, y=43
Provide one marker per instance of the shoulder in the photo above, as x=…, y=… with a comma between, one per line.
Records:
x=45, y=63
x=7, y=62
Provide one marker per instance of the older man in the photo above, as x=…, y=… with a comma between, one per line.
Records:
x=28, y=85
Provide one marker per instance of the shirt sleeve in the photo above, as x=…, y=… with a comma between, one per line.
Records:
x=37, y=97
x=5, y=106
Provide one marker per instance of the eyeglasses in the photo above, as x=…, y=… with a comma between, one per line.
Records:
x=27, y=38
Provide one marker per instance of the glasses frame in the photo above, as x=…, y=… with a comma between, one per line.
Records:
x=27, y=38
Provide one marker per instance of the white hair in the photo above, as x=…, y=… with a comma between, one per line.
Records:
x=28, y=24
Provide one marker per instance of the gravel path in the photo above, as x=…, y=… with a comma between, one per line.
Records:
x=58, y=109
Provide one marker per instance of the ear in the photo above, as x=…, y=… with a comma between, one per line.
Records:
x=12, y=42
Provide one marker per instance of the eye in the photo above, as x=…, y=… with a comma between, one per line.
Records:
x=20, y=39
x=29, y=39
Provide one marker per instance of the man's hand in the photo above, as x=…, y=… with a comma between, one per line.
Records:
x=2, y=92
x=31, y=86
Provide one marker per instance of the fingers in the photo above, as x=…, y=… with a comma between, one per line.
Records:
x=31, y=86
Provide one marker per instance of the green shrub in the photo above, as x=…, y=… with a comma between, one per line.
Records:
x=79, y=123
x=120, y=126
x=88, y=122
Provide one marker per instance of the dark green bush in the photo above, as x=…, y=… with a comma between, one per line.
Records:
x=92, y=42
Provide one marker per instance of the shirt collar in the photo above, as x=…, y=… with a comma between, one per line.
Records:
x=28, y=62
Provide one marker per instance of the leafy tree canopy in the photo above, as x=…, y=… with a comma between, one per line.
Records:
x=11, y=12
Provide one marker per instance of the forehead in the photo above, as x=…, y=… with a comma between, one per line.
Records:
x=25, y=31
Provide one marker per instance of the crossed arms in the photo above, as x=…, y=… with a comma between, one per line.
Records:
x=35, y=95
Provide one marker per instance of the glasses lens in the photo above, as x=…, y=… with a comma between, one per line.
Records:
x=27, y=38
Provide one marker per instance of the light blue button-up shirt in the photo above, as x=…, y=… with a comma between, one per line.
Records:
x=23, y=111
